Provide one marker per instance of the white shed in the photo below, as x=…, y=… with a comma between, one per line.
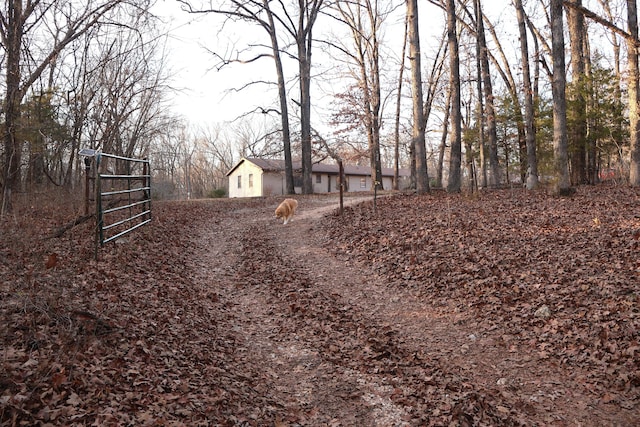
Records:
x=253, y=177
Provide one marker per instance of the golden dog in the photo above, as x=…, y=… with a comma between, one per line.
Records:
x=286, y=209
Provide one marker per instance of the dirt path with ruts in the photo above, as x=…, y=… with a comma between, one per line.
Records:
x=325, y=342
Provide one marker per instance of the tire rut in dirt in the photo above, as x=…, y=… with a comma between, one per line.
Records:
x=309, y=330
x=340, y=334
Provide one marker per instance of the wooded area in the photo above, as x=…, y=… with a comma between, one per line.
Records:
x=478, y=298
x=485, y=115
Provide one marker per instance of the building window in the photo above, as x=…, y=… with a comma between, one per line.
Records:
x=363, y=182
x=250, y=180
x=318, y=179
x=239, y=181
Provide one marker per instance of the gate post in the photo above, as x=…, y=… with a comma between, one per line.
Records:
x=87, y=180
x=98, y=195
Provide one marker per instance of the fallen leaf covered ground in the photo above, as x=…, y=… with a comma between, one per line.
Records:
x=503, y=308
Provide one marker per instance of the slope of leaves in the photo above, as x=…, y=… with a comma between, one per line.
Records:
x=344, y=336
x=129, y=339
x=559, y=277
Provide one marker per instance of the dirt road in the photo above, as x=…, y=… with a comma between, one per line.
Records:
x=218, y=315
x=324, y=341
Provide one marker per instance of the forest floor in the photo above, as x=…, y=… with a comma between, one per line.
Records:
x=503, y=308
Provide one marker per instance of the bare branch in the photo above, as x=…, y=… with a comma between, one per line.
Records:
x=602, y=21
x=260, y=110
x=226, y=61
x=253, y=83
x=242, y=12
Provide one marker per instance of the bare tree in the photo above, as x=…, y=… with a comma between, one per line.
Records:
x=79, y=97
x=364, y=20
x=455, y=158
x=396, y=134
x=532, y=162
x=485, y=87
x=302, y=31
x=166, y=162
x=435, y=87
x=443, y=140
x=282, y=96
x=480, y=116
x=18, y=23
x=505, y=72
x=253, y=11
x=631, y=38
x=578, y=111
x=561, y=167
x=190, y=164
x=129, y=99
x=420, y=149
x=615, y=42
x=634, y=95
x=489, y=106
x=220, y=147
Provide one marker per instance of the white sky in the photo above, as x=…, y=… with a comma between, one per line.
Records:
x=207, y=97
x=206, y=94
x=202, y=95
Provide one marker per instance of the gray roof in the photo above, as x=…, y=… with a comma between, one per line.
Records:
x=277, y=165
x=268, y=164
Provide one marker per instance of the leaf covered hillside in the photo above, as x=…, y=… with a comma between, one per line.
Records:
x=556, y=278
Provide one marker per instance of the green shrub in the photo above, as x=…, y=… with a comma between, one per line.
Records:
x=217, y=193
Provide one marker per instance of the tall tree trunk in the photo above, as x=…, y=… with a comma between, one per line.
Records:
x=578, y=137
x=536, y=69
x=532, y=163
x=305, y=114
x=487, y=84
x=396, y=134
x=371, y=101
x=591, y=160
x=634, y=120
x=443, y=140
x=422, y=179
x=561, y=170
x=376, y=100
x=481, y=119
x=455, y=157
x=470, y=164
x=616, y=48
x=12, y=100
x=282, y=95
x=512, y=86
x=308, y=11
x=369, y=58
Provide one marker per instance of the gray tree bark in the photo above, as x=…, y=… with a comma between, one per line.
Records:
x=422, y=179
x=634, y=120
x=308, y=12
x=578, y=137
x=481, y=119
x=455, y=157
x=532, y=163
x=489, y=106
x=396, y=132
x=558, y=85
x=282, y=96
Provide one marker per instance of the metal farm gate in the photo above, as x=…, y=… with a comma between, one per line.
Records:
x=122, y=194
